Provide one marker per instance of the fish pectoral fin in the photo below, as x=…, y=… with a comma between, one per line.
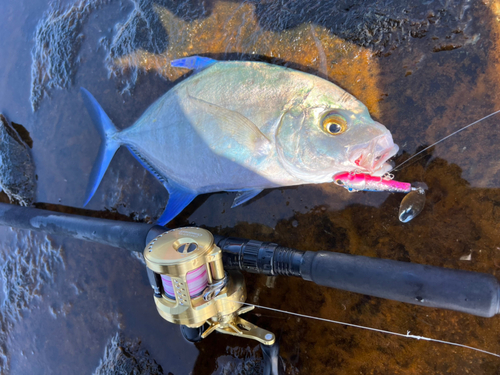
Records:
x=245, y=196
x=244, y=131
x=193, y=62
x=178, y=199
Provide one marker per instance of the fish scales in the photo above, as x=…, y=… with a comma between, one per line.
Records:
x=174, y=119
x=245, y=126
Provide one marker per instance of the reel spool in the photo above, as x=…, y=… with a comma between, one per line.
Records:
x=191, y=287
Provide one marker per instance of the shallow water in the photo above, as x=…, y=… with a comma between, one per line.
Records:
x=423, y=71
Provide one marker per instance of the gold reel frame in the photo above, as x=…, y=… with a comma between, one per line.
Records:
x=177, y=252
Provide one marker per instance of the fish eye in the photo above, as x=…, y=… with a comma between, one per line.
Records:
x=334, y=124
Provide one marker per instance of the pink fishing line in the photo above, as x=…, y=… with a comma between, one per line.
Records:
x=197, y=280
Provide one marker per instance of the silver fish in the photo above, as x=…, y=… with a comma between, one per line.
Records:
x=17, y=171
x=244, y=127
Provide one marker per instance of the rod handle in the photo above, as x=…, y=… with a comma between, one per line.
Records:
x=469, y=292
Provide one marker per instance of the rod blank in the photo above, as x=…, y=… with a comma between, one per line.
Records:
x=121, y=234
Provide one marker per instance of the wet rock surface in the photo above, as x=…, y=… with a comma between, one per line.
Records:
x=122, y=356
x=58, y=39
x=243, y=361
x=28, y=265
x=17, y=171
x=141, y=31
x=382, y=26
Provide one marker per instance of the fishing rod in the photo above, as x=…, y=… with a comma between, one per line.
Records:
x=196, y=280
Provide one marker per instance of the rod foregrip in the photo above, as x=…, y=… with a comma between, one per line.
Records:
x=464, y=291
x=266, y=258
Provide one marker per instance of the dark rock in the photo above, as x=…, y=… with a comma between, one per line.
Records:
x=17, y=171
x=123, y=357
x=58, y=39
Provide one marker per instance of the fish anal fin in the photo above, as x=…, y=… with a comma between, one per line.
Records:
x=137, y=155
x=193, y=62
x=244, y=131
x=178, y=199
x=245, y=196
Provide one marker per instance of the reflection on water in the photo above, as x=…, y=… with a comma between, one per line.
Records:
x=429, y=69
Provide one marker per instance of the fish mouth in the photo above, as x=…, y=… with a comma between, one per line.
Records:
x=373, y=157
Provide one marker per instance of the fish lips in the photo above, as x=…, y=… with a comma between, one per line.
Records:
x=372, y=158
x=383, y=165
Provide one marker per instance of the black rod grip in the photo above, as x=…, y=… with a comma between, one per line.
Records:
x=469, y=292
x=121, y=234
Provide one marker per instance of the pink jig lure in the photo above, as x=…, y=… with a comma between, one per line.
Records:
x=364, y=182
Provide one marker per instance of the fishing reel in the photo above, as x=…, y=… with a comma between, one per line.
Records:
x=192, y=288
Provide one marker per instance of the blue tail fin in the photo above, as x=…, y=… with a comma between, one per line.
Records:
x=109, y=144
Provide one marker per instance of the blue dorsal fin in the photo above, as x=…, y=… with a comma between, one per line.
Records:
x=193, y=62
x=178, y=196
x=245, y=196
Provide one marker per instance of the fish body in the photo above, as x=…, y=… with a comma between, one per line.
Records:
x=17, y=171
x=244, y=127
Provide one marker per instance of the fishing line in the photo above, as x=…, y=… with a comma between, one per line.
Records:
x=448, y=136
x=407, y=335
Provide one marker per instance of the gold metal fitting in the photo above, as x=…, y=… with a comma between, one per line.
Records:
x=176, y=254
